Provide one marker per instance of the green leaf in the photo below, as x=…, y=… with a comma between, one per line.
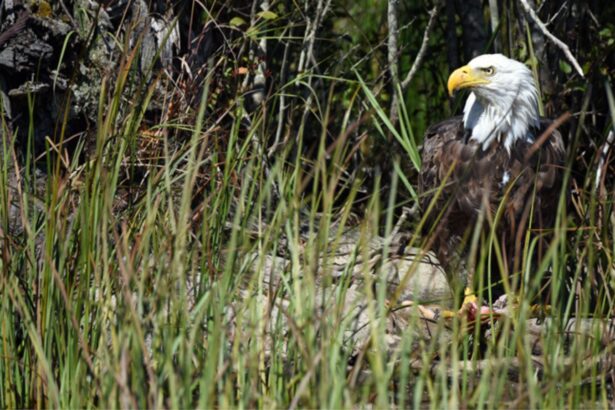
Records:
x=237, y=22
x=267, y=15
x=605, y=32
x=565, y=67
x=252, y=32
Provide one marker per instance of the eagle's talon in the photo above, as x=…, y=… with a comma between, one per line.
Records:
x=469, y=297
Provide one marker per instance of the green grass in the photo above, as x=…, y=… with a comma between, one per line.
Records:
x=162, y=294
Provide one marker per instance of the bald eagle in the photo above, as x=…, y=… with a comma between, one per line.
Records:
x=500, y=159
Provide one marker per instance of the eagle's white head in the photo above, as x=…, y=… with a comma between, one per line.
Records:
x=503, y=104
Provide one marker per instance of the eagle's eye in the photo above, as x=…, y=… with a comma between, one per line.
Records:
x=488, y=70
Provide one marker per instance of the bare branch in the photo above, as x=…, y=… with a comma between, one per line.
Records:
x=392, y=21
x=312, y=27
x=421, y=54
x=557, y=13
x=551, y=37
x=392, y=39
x=282, y=106
x=307, y=54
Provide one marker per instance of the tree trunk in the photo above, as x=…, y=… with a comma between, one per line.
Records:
x=473, y=24
x=452, y=46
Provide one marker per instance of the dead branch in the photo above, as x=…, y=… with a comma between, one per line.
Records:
x=392, y=52
x=551, y=37
x=312, y=27
x=282, y=106
x=307, y=54
x=421, y=54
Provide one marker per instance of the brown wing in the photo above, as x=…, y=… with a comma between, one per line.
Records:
x=447, y=165
x=435, y=142
x=460, y=169
x=537, y=187
x=458, y=180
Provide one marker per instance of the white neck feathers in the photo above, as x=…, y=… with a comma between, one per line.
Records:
x=503, y=112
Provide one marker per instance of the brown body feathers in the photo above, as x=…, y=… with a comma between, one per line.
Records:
x=458, y=180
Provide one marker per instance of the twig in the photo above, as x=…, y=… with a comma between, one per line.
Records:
x=257, y=55
x=68, y=15
x=392, y=21
x=406, y=213
x=421, y=54
x=307, y=54
x=282, y=106
x=551, y=37
x=557, y=13
x=546, y=134
x=310, y=34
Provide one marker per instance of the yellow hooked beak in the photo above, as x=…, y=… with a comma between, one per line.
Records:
x=465, y=77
